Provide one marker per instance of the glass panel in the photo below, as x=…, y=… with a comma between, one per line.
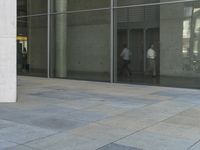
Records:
x=87, y=4
x=32, y=46
x=73, y=5
x=80, y=46
x=158, y=45
x=136, y=30
x=134, y=2
x=21, y=7
x=139, y=2
x=31, y=7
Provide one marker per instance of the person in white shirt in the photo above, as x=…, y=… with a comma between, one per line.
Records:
x=125, y=55
x=151, y=57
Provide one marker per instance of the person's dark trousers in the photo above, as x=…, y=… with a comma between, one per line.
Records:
x=125, y=67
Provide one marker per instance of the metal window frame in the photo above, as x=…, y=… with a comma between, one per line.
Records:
x=48, y=38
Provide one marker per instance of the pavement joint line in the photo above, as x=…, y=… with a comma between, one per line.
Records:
x=135, y=109
x=164, y=113
x=139, y=131
x=22, y=145
x=190, y=147
x=41, y=138
x=56, y=132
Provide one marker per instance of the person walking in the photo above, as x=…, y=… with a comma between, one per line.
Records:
x=151, y=59
x=125, y=55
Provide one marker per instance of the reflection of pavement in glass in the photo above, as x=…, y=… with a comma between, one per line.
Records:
x=182, y=82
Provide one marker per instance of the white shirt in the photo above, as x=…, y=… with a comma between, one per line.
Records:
x=151, y=54
x=125, y=54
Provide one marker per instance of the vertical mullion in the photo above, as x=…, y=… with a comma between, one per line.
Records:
x=48, y=38
x=112, y=41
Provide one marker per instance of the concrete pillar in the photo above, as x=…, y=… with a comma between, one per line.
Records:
x=7, y=50
x=61, y=39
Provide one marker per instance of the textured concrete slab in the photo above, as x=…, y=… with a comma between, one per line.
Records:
x=159, y=111
x=6, y=124
x=184, y=120
x=23, y=133
x=194, y=99
x=20, y=147
x=6, y=144
x=103, y=134
x=129, y=123
x=117, y=147
x=54, y=114
x=146, y=116
x=177, y=131
x=195, y=147
x=152, y=141
x=65, y=141
x=87, y=116
x=173, y=92
x=57, y=123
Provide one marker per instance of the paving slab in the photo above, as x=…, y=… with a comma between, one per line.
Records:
x=57, y=122
x=153, y=141
x=6, y=144
x=6, y=124
x=23, y=133
x=65, y=141
x=56, y=114
x=101, y=133
x=177, y=131
x=184, y=120
x=195, y=147
x=176, y=92
x=117, y=147
x=21, y=147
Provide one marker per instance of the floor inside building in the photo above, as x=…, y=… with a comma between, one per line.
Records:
x=56, y=114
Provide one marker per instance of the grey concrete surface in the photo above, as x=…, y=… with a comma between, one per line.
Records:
x=8, y=27
x=56, y=114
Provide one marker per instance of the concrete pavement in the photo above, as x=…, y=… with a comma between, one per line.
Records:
x=55, y=114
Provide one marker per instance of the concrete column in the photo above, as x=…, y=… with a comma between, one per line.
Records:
x=61, y=38
x=8, y=50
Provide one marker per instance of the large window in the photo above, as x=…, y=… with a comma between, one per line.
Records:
x=81, y=45
x=130, y=41
x=32, y=38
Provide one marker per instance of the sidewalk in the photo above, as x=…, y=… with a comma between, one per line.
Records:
x=55, y=114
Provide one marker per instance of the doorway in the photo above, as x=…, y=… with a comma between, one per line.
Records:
x=138, y=42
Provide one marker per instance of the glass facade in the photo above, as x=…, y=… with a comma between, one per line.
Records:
x=80, y=45
x=154, y=42
x=32, y=39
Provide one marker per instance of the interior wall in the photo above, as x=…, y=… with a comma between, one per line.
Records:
x=171, y=41
x=88, y=42
x=171, y=28
x=89, y=48
x=37, y=37
x=87, y=4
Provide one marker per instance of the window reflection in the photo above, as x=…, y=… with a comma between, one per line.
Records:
x=191, y=39
x=186, y=37
x=196, y=31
